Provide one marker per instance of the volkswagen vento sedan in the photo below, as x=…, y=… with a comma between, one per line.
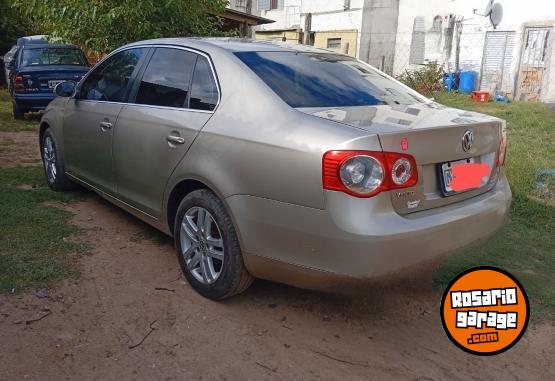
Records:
x=285, y=163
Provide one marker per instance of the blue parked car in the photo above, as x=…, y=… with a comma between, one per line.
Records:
x=35, y=71
x=21, y=42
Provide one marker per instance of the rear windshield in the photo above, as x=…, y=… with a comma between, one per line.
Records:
x=326, y=80
x=53, y=56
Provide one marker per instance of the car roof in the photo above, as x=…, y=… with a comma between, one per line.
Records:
x=233, y=44
x=30, y=40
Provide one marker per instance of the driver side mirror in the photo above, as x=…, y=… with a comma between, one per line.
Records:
x=65, y=89
x=10, y=64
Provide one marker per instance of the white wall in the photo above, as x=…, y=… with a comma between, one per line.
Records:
x=326, y=15
x=286, y=18
x=516, y=15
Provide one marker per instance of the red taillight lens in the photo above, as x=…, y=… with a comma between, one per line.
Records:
x=401, y=169
x=19, y=84
x=367, y=173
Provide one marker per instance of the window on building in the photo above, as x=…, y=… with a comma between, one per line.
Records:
x=266, y=5
x=436, y=26
x=334, y=43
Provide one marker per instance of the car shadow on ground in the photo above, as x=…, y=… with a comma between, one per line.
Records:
x=403, y=294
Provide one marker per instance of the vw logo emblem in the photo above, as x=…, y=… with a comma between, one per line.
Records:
x=467, y=140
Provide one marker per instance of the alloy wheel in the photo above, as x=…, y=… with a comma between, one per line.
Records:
x=202, y=245
x=49, y=159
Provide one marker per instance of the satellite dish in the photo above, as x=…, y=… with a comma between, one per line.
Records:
x=494, y=11
x=488, y=8
x=496, y=14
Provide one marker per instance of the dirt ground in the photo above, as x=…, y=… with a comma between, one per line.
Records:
x=131, y=316
x=18, y=148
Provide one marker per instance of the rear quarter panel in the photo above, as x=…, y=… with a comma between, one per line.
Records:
x=255, y=144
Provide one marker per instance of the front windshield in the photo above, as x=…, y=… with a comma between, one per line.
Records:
x=326, y=80
x=53, y=56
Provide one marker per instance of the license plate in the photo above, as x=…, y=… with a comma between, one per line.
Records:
x=447, y=173
x=54, y=83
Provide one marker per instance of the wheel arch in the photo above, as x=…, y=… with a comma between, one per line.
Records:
x=178, y=192
x=42, y=128
x=182, y=189
x=185, y=186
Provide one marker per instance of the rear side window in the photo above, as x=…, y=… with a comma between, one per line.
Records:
x=167, y=78
x=110, y=80
x=204, y=92
x=326, y=80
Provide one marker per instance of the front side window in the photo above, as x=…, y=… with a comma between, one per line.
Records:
x=53, y=56
x=167, y=79
x=110, y=80
x=326, y=80
x=204, y=92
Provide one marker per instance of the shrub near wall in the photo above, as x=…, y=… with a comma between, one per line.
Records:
x=425, y=80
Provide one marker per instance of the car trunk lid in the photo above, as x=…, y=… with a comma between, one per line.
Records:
x=43, y=78
x=433, y=135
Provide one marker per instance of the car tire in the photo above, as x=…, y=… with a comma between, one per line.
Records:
x=214, y=276
x=18, y=112
x=53, y=164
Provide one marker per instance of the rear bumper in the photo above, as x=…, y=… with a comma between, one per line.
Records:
x=358, y=238
x=33, y=101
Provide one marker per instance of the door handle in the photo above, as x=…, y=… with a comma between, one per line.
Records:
x=105, y=126
x=175, y=139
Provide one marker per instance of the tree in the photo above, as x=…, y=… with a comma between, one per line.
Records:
x=103, y=25
x=12, y=25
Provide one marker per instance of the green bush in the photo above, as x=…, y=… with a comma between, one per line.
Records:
x=425, y=80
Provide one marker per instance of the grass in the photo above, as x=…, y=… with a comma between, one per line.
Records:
x=37, y=248
x=526, y=245
x=7, y=122
x=36, y=238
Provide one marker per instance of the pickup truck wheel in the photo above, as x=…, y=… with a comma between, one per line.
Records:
x=18, y=113
x=53, y=165
x=208, y=248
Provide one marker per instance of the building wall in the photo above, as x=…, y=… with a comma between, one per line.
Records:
x=240, y=5
x=326, y=14
x=349, y=40
x=291, y=36
x=378, y=33
x=516, y=16
x=384, y=31
x=287, y=17
x=330, y=19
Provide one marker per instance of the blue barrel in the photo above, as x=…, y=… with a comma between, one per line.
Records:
x=450, y=81
x=467, y=82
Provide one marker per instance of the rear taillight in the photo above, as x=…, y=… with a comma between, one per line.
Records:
x=367, y=173
x=19, y=84
x=502, y=155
